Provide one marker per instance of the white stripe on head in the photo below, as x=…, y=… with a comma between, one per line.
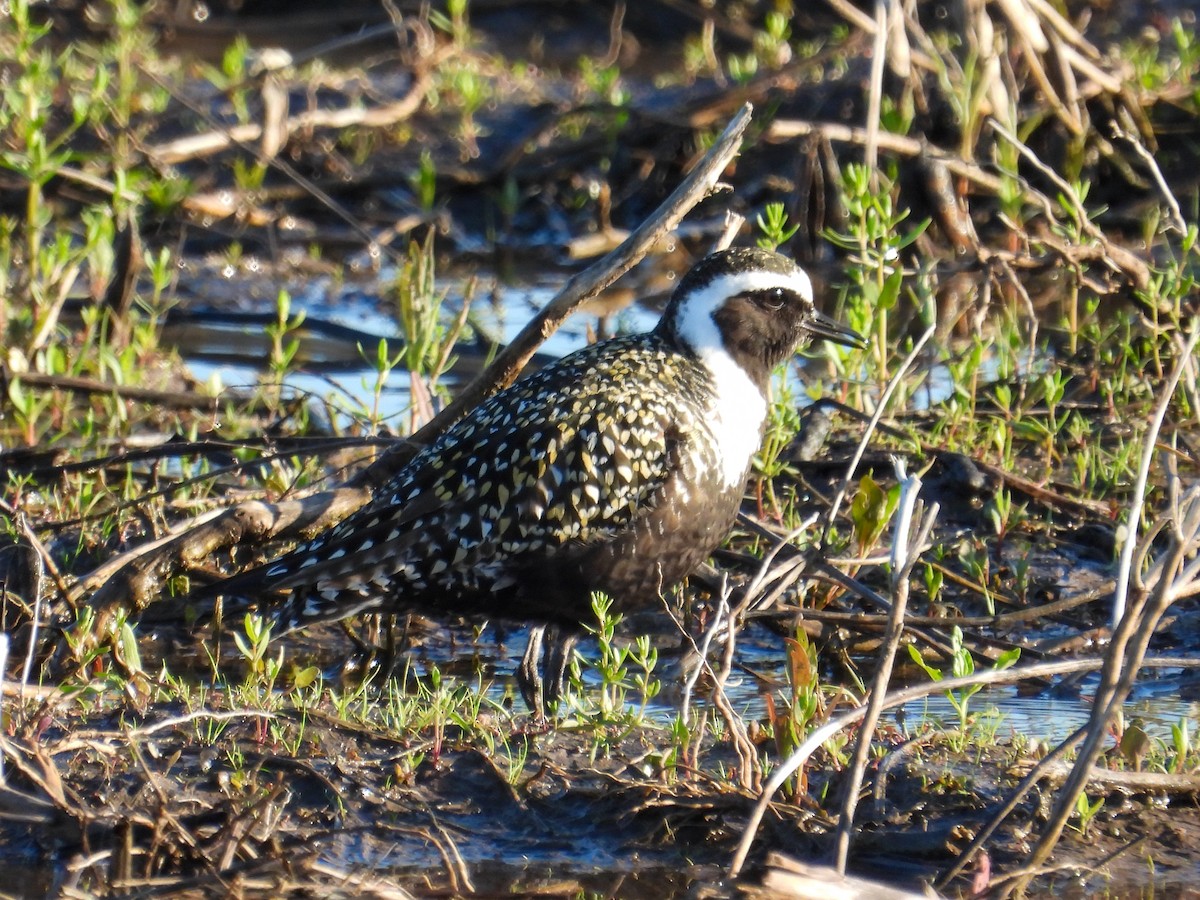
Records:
x=694, y=317
x=739, y=408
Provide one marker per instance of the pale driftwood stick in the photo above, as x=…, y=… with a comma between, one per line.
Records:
x=214, y=141
x=1124, y=781
x=875, y=94
x=136, y=585
x=785, y=129
x=786, y=877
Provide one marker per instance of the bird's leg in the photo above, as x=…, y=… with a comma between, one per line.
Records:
x=557, y=660
x=529, y=677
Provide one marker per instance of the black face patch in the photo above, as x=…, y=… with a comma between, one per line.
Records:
x=760, y=328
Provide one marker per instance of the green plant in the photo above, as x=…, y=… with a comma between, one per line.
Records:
x=514, y=759
x=1181, y=743
x=623, y=671
x=284, y=346
x=770, y=50
x=871, y=510
x=604, y=82
x=53, y=103
x=791, y=717
x=962, y=664
x=262, y=669
x=424, y=182
x=783, y=424
x=934, y=580
x=381, y=363
x=232, y=77
x=875, y=241
x=454, y=22
x=771, y=43
x=773, y=223
x=977, y=563
x=429, y=342
x=1085, y=811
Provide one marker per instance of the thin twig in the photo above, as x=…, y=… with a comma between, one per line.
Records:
x=44, y=561
x=905, y=552
x=1177, y=220
x=1121, y=594
x=3, y=670
x=893, y=383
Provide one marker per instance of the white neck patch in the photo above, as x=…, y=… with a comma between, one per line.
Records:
x=739, y=408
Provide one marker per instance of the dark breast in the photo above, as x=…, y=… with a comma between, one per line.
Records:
x=600, y=473
x=689, y=517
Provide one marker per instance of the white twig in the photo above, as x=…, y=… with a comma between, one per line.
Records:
x=1124, y=571
x=875, y=98
x=910, y=490
x=906, y=548
x=720, y=620
x=36, y=615
x=1176, y=215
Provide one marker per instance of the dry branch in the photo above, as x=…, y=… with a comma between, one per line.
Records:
x=92, y=386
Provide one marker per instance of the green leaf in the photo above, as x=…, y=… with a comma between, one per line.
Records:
x=934, y=674
x=891, y=289
x=129, y=647
x=912, y=234
x=243, y=646
x=1007, y=658
x=305, y=677
x=870, y=511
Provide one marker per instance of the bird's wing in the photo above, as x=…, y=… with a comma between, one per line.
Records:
x=496, y=489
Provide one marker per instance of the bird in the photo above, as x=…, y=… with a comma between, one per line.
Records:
x=618, y=468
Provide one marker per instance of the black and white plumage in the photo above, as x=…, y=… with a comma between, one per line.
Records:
x=619, y=468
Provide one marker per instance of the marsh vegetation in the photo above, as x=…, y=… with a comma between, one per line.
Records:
x=360, y=210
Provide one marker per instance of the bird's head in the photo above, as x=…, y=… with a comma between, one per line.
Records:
x=752, y=305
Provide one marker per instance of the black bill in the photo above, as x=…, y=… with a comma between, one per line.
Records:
x=820, y=325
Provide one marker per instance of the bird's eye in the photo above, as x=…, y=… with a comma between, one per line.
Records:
x=773, y=299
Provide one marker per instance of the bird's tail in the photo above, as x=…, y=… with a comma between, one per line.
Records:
x=279, y=593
